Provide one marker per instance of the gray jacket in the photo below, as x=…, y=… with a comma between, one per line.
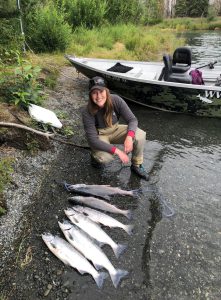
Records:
x=92, y=123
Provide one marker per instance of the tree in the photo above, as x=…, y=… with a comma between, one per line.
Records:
x=191, y=8
x=8, y=8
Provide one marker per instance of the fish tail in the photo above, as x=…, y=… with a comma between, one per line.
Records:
x=117, y=276
x=119, y=249
x=100, y=279
x=67, y=186
x=129, y=229
x=136, y=192
x=128, y=214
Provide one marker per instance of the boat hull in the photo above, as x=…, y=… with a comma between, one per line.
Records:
x=203, y=101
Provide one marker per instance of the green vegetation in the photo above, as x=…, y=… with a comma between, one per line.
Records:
x=124, y=42
x=191, y=8
x=19, y=83
x=6, y=170
x=48, y=30
x=52, y=25
x=85, y=13
x=184, y=24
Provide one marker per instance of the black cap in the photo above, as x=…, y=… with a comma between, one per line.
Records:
x=96, y=83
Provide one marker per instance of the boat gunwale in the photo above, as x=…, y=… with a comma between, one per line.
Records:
x=155, y=82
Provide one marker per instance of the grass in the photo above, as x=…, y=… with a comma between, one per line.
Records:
x=127, y=42
x=123, y=41
x=181, y=24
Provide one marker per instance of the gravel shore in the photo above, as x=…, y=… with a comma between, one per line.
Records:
x=29, y=170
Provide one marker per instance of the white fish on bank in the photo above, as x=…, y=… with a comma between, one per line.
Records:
x=94, y=230
x=81, y=241
x=100, y=217
x=103, y=191
x=70, y=256
x=100, y=204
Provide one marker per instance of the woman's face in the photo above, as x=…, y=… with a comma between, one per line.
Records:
x=99, y=97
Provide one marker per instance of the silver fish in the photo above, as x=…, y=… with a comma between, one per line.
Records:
x=99, y=217
x=94, y=230
x=103, y=191
x=81, y=241
x=70, y=256
x=100, y=204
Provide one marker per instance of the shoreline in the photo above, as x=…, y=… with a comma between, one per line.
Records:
x=27, y=177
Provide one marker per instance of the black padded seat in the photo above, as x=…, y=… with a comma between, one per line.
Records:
x=182, y=58
x=174, y=77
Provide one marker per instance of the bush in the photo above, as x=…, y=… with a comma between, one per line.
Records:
x=85, y=13
x=121, y=11
x=48, y=30
x=10, y=36
x=20, y=85
x=212, y=13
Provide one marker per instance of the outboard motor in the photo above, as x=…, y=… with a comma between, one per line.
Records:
x=182, y=58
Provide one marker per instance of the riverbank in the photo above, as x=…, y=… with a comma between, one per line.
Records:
x=36, y=202
x=30, y=170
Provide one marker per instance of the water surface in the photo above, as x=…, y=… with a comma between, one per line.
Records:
x=205, y=46
x=182, y=254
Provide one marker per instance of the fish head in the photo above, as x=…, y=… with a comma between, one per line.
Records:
x=47, y=237
x=75, y=199
x=50, y=241
x=65, y=225
x=72, y=215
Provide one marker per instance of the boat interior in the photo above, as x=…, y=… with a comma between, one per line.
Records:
x=174, y=68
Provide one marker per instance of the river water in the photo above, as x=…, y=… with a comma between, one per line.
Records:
x=206, y=46
x=182, y=254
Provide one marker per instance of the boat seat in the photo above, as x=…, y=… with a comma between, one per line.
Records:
x=182, y=58
x=174, y=77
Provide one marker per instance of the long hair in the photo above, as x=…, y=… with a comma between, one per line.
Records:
x=108, y=108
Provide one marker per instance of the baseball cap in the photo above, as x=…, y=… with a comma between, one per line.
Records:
x=96, y=83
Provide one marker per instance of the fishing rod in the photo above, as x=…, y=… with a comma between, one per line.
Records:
x=210, y=65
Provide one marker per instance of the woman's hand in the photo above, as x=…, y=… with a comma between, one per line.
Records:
x=122, y=155
x=128, y=144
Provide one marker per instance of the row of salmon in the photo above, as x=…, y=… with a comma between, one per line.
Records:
x=84, y=238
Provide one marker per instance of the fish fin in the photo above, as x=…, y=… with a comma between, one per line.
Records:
x=129, y=229
x=117, y=276
x=119, y=250
x=100, y=279
x=128, y=214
